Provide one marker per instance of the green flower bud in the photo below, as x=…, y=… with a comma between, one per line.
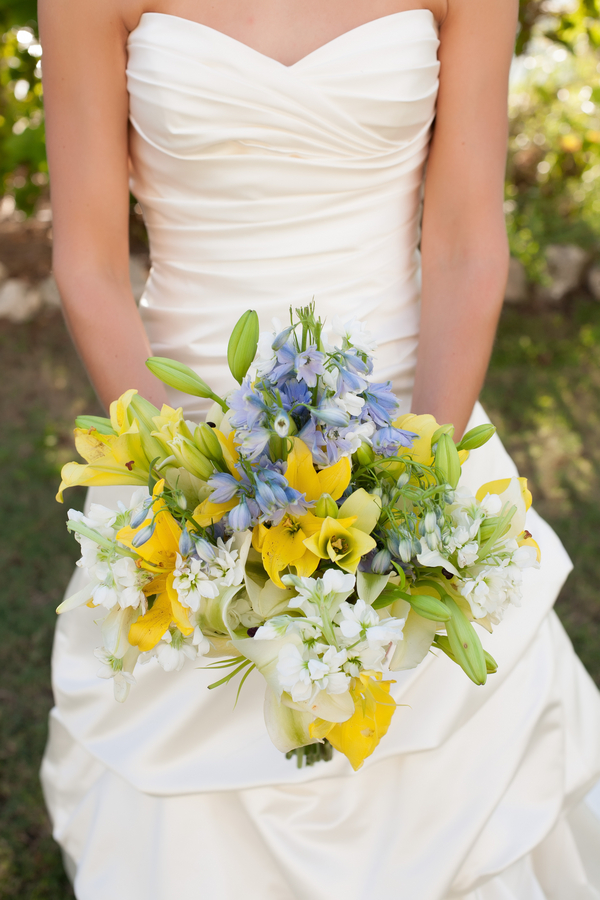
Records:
x=365, y=455
x=181, y=377
x=181, y=501
x=243, y=342
x=447, y=462
x=207, y=442
x=490, y=663
x=429, y=607
x=465, y=644
x=443, y=429
x=477, y=437
x=326, y=506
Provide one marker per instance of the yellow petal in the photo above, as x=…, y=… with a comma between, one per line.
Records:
x=335, y=479
x=359, y=735
x=207, y=513
x=147, y=630
x=341, y=543
x=425, y=426
x=365, y=507
x=230, y=453
x=282, y=547
x=74, y=474
x=300, y=471
x=501, y=485
x=119, y=412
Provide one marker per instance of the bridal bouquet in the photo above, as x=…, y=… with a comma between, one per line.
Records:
x=304, y=530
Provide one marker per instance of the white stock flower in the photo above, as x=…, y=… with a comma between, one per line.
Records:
x=174, y=648
x=361, y=622
x=350, y=403
x=467, y=554
x=192, y=583
x=303, y=676
x=313, y=591
x=356, y=334
x=356, y=434
x=227, y=566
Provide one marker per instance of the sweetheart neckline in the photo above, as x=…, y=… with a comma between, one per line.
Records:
x=271, y=59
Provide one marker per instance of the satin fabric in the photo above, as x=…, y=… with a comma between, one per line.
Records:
x=264, y=186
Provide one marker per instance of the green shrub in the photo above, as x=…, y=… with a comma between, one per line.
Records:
x=553, y=176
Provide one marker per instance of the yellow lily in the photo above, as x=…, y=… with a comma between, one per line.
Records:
x=158, y=555
x=340, y=542
x=359, y=735
x=285, y=545
x=516, y=492
x=110, y=458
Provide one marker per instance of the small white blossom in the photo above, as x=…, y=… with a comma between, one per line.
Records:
x=350, y=403
x=113, y=667
x=303, y=676
x=227, y=566
x=173, y=649
x=356, y=334
x=192, y=583
x=467, y=554
x=361, y=622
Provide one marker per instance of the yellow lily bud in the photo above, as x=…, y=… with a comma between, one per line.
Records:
x=188, y=456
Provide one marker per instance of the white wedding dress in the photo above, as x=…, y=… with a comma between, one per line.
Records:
x=264, y=186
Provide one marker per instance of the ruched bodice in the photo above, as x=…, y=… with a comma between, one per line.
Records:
x=264, y=185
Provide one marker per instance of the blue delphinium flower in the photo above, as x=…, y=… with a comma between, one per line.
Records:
x=388, y=439
x=294, y=393
x=225, y=487
x=247, y=405
x=380, y=403
x=253, y=442
x=286, y=360
x=309, y=364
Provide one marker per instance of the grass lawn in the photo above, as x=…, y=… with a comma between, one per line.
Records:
x=543, y=392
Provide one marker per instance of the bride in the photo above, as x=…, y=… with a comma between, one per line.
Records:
x=278, y=150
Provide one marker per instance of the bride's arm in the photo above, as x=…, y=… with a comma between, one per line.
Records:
x=464, y=245
x=86, y=113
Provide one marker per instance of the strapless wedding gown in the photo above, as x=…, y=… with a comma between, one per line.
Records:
x=264, y=186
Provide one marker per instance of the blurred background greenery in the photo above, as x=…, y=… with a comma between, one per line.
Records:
x=543, y=388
